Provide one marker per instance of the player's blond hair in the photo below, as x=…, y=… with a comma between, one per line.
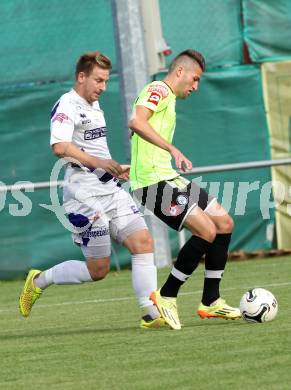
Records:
x=88, y=61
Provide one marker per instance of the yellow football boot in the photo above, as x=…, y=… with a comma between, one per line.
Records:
x=29, y=294
x=219, y=309
x=167, y=308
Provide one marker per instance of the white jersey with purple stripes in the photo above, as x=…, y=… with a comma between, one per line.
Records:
x=74, y=120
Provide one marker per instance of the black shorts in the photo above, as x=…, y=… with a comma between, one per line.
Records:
x=172, y=200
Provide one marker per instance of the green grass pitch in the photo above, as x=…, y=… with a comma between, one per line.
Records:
x=87, y=337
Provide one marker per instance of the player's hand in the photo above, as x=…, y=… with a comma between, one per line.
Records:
x=181, y=161
x=125, y=172
x=111, y=167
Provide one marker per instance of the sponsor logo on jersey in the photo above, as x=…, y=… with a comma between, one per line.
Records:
x=160, y=89
x=95, y=133
x=60, y=117
x=155, y=98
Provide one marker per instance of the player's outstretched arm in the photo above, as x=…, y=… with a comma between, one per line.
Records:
x=68, y=151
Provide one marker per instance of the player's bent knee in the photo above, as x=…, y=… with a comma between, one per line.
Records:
x=226, y=225
x=209, y=233
x=229, y=224
x=98, y=268
x=140, y=242
x=144, y=244
x=99, y=273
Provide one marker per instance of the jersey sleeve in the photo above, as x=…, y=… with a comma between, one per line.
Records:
x=62, y=121
x=154, y=96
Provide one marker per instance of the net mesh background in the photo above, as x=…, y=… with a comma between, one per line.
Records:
x=41, y=40
x=213, y=27
x=40, y=43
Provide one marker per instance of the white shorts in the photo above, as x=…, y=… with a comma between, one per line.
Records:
x=97, y=219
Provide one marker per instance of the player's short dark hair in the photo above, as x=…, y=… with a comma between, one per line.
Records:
x=88, y=61
x=193, y=55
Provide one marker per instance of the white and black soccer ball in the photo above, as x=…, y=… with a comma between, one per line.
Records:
x=258, y=305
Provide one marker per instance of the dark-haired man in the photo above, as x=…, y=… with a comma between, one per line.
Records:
x=174, y=199
x=96, y=205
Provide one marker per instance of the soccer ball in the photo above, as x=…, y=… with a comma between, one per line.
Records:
x=258, y=305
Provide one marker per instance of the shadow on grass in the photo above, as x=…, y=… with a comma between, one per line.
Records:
x=212, y=323
x=22, y=334
x=65, y=332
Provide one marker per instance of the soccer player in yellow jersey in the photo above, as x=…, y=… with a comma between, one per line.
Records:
x=174, y=199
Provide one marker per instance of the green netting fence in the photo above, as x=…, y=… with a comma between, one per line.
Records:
x=213, y=27
x=267, y=29
x=41, y=40
x=223, y=123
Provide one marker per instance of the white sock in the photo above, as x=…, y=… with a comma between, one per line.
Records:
x=179, y=275
x=68, y=272
x=144, y=281
x=213, y=274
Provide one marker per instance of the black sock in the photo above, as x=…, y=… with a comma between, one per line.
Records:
x=215, y=260
x=187, y=261
x=210, y=290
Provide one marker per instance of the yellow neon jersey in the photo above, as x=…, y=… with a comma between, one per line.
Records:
x=149, y=163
